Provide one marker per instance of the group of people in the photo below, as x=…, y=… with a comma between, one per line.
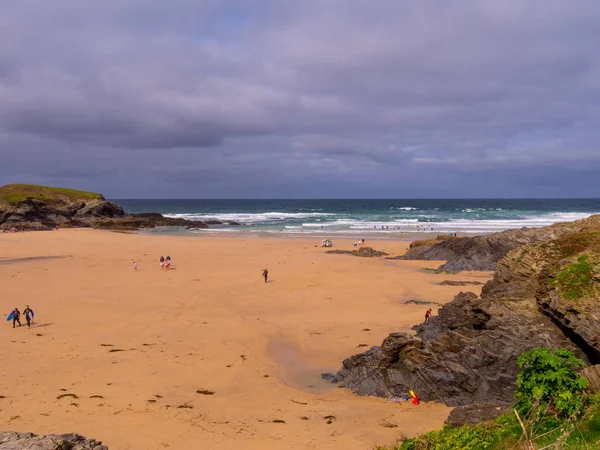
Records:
x=359, y=243
x=165, y=263
x=12, y=230
x=16, y=316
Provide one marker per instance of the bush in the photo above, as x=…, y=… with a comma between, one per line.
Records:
x=549, y=383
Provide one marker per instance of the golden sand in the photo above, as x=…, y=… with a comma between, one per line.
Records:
x=134, y=347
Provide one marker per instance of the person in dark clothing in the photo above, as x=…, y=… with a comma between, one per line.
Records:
x=265, y=274
x=427, y=314
x=16, y=317
x=28, y=315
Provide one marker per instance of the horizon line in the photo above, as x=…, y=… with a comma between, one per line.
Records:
x=360, y=198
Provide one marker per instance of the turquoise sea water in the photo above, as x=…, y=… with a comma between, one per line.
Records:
x=368, y=217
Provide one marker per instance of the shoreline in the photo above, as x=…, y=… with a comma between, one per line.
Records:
x=232, y=233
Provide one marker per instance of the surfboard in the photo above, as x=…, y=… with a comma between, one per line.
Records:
x=10, y=316
x=31, y=315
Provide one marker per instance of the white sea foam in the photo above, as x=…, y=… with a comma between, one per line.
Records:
x=249, y=218
x=437, y=222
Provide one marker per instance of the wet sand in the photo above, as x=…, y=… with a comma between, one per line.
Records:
x=134, y=348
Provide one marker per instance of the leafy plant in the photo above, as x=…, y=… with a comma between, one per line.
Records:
x=548, y=382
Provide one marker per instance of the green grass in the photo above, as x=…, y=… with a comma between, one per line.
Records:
x=14, y=193
x=577, y=280
x=504, y=433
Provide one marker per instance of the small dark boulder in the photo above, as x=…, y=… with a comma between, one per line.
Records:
x=364, y=252
x=460, y=283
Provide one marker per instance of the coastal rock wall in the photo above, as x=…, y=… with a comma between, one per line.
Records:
x=10, y=440
x=542, y=295
x=483, y=252
x=465, y=355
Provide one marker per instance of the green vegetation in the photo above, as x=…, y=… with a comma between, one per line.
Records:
x=14, y=193
x=576, y=243
x=553, y=411
x=486, y=435
x=548, y=381
x=577, y=280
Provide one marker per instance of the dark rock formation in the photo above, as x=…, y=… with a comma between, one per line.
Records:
x=542, y=295
x=465, y=355
x=483, y=252
x=365, y=252
x=10, y=440
x=36, y=214
x=460, y=283
x=475, y=413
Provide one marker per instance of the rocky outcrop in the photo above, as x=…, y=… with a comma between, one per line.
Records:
x=475, y=413
x=364, y=252
x=10, y=440
x=460, y=283
x=465, y=355
x=483, y=252
x=36, y=214
x=542, y=295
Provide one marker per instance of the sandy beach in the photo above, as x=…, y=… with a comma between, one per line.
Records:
x=136, y=350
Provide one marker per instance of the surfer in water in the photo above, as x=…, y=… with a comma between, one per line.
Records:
x=16, y=317
x=28, y=315
x=265, y=275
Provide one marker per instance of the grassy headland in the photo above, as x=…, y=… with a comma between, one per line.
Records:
x=15, y=193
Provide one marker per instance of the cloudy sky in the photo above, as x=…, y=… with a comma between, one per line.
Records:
x=312, y=98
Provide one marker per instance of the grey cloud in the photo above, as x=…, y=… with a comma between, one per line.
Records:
x=224, y=96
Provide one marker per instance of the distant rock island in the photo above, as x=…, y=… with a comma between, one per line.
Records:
x=33, y=207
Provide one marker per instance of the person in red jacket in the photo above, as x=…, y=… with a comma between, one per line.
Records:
x=427, y=314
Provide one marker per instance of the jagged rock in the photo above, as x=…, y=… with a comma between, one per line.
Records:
x=475, y=413
x=592, y=374
x=542, y=295
x=483, y=252
x=56, y=209
x=365, y=252
x=10, y=440
x=460, y=283
x=100, y=208
x=464, y=355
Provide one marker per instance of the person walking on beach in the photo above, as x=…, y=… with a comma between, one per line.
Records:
x=168, y=262
x=16, y=317
x=265, y=275
x=134, y=265
x=427, y=315
x=162, y=261
x=28, y=315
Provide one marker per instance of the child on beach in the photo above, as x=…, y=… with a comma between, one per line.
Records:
x=265, y=274
x=134, y=265
x=168, y=262
x=28, y=315
x=162, y=261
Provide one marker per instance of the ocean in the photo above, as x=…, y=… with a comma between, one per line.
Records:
x=370, y=217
